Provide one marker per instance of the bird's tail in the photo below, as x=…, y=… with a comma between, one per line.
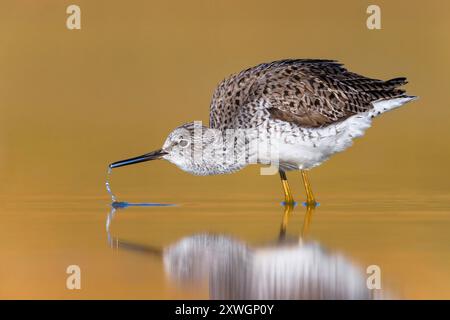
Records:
x=397, y=82
x=394, y=96
x=382, y=106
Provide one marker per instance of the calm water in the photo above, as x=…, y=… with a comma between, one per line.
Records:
x=226, y=249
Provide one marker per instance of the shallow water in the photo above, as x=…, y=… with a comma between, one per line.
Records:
x=155, y=252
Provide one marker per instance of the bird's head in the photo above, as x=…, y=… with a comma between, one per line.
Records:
x=192, y=147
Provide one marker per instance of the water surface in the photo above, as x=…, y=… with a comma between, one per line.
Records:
x=150, y=251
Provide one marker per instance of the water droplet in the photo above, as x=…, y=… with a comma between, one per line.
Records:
x=108, y=186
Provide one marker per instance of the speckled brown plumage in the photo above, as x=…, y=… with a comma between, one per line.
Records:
x=309, y=93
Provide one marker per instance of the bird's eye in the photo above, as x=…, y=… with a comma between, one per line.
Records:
x=183, y=143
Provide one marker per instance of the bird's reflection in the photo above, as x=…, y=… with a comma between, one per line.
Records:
x=286, y=269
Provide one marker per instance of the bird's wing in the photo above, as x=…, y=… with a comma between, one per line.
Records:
x=310, y=93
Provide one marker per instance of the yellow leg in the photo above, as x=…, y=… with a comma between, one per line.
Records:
x=310, y=200
x=288, y=198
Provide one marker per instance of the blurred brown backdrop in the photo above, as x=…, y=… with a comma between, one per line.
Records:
x=73, y=101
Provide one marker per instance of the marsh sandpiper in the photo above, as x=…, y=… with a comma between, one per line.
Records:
x=305, y=109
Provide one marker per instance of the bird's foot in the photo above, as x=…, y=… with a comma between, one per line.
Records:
x=289, y=203
x=311, y=203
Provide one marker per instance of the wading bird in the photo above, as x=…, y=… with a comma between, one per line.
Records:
x=305, y=109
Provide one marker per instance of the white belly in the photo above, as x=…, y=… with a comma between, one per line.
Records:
x=307, y=148
x=320, y=144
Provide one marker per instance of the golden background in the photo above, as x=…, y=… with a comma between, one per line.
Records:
x=72, y=101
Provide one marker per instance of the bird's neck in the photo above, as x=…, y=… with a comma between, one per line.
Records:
x=225, y=153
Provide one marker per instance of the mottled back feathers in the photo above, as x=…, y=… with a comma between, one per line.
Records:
x=309, y=93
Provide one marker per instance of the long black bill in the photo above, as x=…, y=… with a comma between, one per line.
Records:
x=154, y=155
